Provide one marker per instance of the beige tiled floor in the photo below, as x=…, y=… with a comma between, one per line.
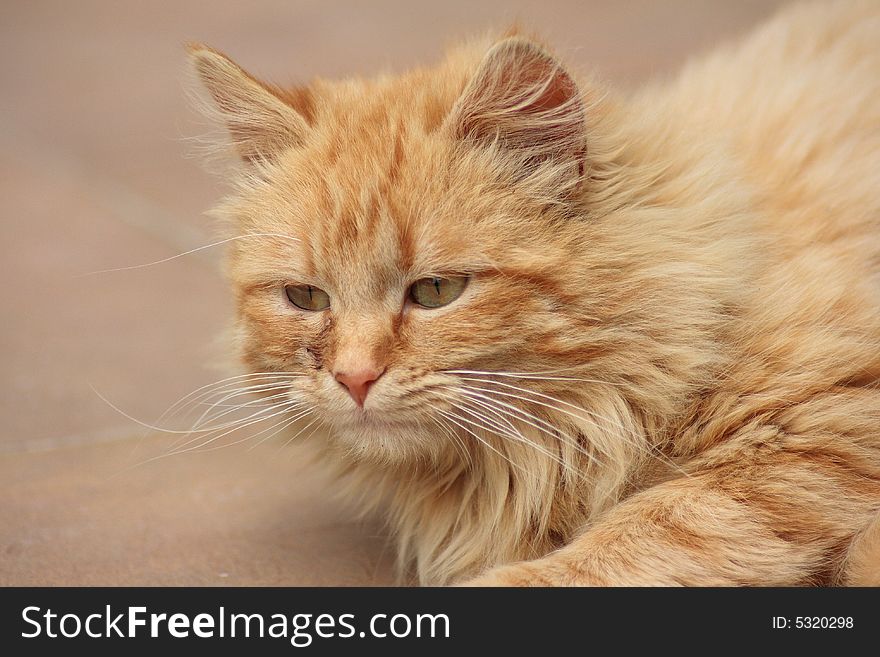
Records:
x=95, y=173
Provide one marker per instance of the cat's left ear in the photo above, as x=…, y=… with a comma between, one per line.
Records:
x=261, y=120
x=524, y=102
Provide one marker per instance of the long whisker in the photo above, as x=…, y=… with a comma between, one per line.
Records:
x=628, y=434
x=551, y=406
x=505, y=431
x=250, y=420
x=507, y=424
x=299, y=433
x=280, y=427
x=184, y=451
x=529, y=418
x=140, y=422
x=258, y=403
x=456, y=439
x=207, y=391
x=532, y=392
x=186, y=253
x=502, y=410
x=206, y=417
x=293, y=420
x=487, y=423
x=500, y=431
x=452, y=417
x=219, y=385
x=519, y=437
x=540, y=376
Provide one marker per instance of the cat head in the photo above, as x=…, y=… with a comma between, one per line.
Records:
x=412, y=250
x=410, y=229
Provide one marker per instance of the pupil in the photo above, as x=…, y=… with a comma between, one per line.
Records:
x=310, y=292
x=437, y=285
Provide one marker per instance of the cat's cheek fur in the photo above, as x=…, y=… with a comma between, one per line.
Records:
x=281, y=337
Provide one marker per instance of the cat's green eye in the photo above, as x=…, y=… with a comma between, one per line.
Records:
x=307, y=297
x=434, y=292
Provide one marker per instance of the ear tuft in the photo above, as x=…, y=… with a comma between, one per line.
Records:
x=260, y=122
x=523, y=100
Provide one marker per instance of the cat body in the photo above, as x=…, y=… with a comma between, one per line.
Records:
x=662, y=366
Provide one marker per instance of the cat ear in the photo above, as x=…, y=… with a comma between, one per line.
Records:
x=260, y=120
x=524, y=101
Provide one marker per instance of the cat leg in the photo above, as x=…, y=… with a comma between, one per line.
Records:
x=764, y=508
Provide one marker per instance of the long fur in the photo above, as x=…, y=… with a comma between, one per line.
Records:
x=676, y=295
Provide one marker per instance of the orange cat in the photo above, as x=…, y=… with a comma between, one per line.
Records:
x=565, y=336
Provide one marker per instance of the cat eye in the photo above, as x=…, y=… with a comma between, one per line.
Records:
x=434, y=292
x=307, y=297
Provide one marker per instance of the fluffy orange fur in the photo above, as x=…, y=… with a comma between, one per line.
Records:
x=664, y=368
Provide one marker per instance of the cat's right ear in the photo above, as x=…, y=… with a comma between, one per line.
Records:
x=522, y=101
x=260, y=122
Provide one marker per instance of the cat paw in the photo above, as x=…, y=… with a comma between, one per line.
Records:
x=550, y=571
x=515, y=575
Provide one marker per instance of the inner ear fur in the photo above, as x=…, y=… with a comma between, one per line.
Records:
x=522, y=99
x=262, y=120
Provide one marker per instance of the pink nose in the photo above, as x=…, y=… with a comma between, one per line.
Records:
x=358, y=383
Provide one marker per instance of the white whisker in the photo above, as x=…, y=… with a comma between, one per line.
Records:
x=456, y=439
x=286, y=424
x=232, y=380
x=140, y=422
x=184, y=451
x=299, y=433
x=250, y=420
x=519, y=437
x=627, y=434
x=186, y=253
x=545, y=427
x=540, y=376
x=232, y=408
x=452, y=418
x=206, y=417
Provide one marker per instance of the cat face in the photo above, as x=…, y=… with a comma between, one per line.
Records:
x=389, y=249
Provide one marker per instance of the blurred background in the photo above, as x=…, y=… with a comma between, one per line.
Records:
x=96, y=173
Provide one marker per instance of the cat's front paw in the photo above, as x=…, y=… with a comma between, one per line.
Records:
x=530, y=573
x=492, y=578
x=504, y=576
